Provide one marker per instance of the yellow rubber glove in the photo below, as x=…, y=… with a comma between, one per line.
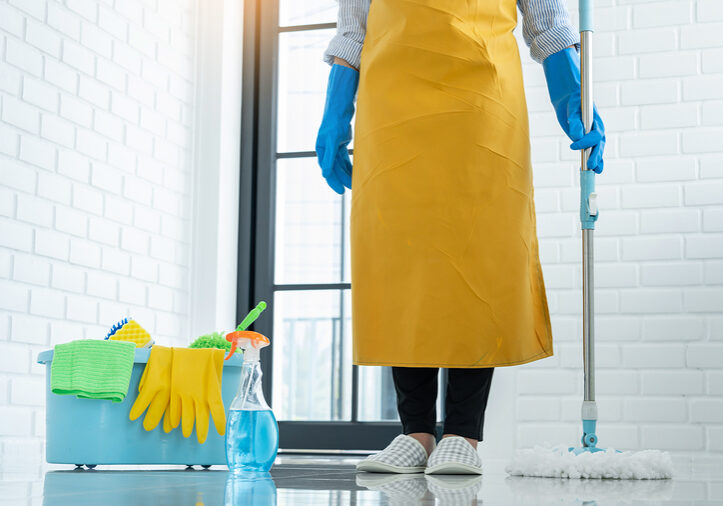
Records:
x=196, y=391
x=154, y=389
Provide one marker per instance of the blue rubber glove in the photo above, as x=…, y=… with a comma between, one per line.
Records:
x=562, y=72
x=335, y=131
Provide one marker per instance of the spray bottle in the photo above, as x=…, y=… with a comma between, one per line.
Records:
x=252, y=433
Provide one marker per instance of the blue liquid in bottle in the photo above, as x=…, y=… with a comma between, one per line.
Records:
x=252, y=440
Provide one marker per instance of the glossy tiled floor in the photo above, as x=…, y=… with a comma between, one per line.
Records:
x=317, y=481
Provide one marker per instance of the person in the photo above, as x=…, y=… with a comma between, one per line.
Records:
x=445, y=266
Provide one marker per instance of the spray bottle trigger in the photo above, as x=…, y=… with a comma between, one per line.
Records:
x=246, y=339
x=233, y=347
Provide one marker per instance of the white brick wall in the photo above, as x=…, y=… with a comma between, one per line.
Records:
x=95, y=171
x=658, y=72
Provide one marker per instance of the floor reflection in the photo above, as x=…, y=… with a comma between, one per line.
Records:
x=256, y=489
x=589, y=492
x=404, y=489
x=330, y=482
x=250, y=489
x=138, y=488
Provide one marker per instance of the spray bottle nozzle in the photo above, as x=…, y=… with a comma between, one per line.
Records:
x=252, y=316
x=247, y=341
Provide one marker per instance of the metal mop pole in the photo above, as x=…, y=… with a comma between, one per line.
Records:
x=588, y=215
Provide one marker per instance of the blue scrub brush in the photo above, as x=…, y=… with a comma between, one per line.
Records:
x=116, y=327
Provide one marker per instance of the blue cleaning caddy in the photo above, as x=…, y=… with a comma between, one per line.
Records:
x=91, y=431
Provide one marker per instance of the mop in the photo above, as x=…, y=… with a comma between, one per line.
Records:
x=589, y=461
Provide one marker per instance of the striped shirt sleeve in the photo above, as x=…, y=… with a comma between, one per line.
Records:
x=546, y=27
x=351, y=27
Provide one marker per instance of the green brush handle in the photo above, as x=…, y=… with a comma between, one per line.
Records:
x=251, y=317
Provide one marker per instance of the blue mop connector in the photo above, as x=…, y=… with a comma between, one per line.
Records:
x=589, y=438
x=589, y=423
x=588, y=200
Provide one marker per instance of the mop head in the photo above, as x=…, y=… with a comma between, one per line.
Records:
x=559, y=462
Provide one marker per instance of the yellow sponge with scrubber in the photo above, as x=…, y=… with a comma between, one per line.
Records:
x=130, y=330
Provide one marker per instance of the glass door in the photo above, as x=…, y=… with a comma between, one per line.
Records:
x=299, y=229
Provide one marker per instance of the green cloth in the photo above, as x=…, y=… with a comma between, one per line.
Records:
x=92, y=369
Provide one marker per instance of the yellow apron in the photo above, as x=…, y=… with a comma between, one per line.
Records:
x=444, y=253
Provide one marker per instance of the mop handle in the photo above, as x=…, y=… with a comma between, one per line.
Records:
x=588, y=216
x=588, y=197
x=586, y=29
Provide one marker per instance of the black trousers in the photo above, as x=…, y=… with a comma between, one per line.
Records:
x=465, y=404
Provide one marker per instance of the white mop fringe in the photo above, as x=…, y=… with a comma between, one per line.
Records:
x=559, y=462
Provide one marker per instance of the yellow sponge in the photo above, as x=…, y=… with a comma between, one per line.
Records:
x=133, y=332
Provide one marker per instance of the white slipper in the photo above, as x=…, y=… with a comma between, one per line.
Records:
x=403, y=455
x=454, y=455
